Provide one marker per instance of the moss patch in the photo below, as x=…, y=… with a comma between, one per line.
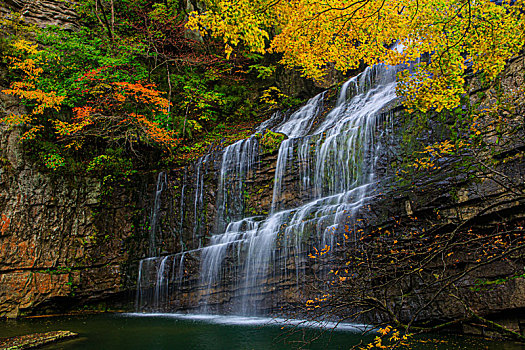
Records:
x=270, y=141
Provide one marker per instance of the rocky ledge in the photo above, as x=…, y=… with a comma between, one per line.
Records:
x=34, y=340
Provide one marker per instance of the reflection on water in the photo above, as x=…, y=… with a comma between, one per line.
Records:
x=169, y=331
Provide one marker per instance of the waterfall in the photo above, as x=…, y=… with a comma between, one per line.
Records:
x=159, y=279
x=300, y=122
x=330, y=158
x=198, y=203
x=181, y=207
x=238, y=161
x=162, y=182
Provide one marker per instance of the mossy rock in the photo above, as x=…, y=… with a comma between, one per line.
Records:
x=270, y=141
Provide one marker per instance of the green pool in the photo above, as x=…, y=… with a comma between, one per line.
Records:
x=157, y=331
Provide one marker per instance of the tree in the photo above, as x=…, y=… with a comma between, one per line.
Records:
x=27, y=62
x=110, y=107
x=118, y=112
x=313, y=35
x=455, y=247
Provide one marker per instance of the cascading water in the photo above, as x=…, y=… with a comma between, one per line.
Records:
x=198, y=200
x=332, y=158
x=181, y=207
x=162, y=181
x=238, y=161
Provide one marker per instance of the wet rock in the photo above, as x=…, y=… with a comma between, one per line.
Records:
x=35, y=340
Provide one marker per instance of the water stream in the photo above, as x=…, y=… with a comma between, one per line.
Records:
x=162, y=181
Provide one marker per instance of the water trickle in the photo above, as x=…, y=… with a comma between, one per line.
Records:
x=181, y=208
x=162, y=182
x=159, y=281
x=238, y=162
x=276, y=119
x=285, y=154
x=300, y=122
x=198, y=202
x=180, y=274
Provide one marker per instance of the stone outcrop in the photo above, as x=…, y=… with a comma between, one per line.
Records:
x=59, y=240
x=35, y=340
x=43, y=12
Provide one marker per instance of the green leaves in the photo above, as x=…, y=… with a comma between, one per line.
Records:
x=69, y=55
x=263, y=71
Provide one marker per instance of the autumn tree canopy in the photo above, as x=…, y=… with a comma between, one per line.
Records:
x=128, y=83
x=313, y=35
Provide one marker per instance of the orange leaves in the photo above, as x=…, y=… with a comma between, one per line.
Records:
x=26, y=89
x=117, y=110
x=318, y=253
x=43, y=100
x=29, y=66
x=155, y=133
x=126, y=95
x=146, y=94
x=431, y=154
x=315, y=303
x=31, y=133
x=384, y=331
x=122, y=94
x=82, y=113
x=389, y=338
x=82, y=119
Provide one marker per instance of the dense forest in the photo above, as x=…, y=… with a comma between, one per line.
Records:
x=133, y=73
x=116, y=94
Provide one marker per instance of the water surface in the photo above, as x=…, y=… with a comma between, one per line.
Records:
x=168, y=331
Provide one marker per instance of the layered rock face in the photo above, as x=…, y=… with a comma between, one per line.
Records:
x=49, y=236
x=62, y=242
x=43, y=12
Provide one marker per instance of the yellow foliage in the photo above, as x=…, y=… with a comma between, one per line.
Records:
x=272, y=96
x=25, y=89
x=432, y=153
x=314, y=35
x=23, y=45
x=388, y=338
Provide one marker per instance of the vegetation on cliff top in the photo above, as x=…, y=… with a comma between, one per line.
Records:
x=318, y=35
x=132, y=78
x=123, y=87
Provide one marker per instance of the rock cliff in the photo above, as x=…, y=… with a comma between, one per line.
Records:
x=44, y=12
